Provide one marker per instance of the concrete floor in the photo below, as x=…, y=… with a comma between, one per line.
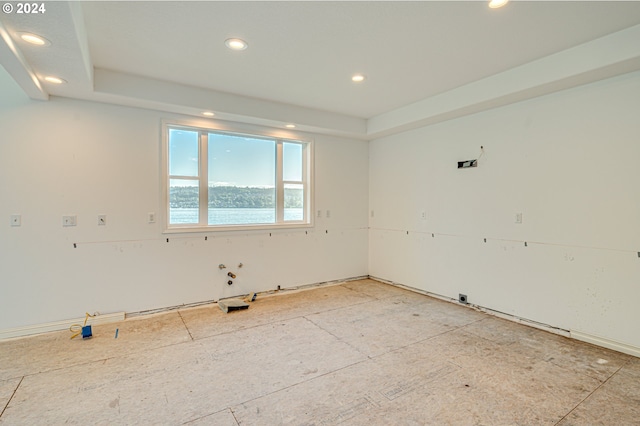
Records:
x=359, y=353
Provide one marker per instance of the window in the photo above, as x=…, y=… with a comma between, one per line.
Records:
x=220, y=180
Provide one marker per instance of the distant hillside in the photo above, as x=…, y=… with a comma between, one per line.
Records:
x=234, y=197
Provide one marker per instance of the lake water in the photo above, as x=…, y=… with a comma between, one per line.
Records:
x=229, y=216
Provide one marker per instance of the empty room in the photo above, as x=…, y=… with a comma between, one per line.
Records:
x=320, y=213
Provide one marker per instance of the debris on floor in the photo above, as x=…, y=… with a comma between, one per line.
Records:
x=229, y=305
x=251, y=297
x=83, y=330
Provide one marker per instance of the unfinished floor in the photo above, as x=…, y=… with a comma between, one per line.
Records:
x=359, y=353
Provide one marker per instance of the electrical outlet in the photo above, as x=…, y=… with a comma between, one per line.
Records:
x=328, y=215
x=151, y=217
x=372, y=213
x=462, y=298
x=423, y=215
x=69, y=220
x=102, y=219
x=518, y=217
x=319, y=213
x=16, y=220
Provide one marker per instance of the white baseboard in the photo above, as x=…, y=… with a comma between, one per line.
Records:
x=59, y=325
x=529, y=323
x=606, y=343
x=573, y=334
x=120, y=316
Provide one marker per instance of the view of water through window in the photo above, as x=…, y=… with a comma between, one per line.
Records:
x=232, y=216
x=245, y=177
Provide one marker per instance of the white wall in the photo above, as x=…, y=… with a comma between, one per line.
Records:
x=569, y=162
x=68, y=157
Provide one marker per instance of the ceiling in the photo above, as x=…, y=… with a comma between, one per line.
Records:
x=424, y=61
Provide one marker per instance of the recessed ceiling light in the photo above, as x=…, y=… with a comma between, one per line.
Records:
x=34, y=39
x=236, y=44
x=54, y=80
x=494, y=4
x=208, y=114
x=357, y=78
x=290, y=126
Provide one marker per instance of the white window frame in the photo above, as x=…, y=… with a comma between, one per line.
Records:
x=280, y=136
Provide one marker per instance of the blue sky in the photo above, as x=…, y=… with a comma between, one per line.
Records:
x=233, y=160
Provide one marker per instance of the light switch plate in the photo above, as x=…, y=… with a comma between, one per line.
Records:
x=69, y=220
x=16, y=220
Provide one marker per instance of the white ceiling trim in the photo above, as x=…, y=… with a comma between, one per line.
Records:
x=605, y=57
x=18, y=67
x=609, y=56
x=77, y=18
x=126, y=89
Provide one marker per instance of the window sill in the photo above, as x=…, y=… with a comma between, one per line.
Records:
x=236, y=228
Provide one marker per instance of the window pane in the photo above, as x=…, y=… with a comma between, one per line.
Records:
x=292, y=161
x=183, y=153
x=293, y=201
x=183, y=201
x=241, y=180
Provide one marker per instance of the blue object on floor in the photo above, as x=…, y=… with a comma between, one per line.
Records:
x=86, y=332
